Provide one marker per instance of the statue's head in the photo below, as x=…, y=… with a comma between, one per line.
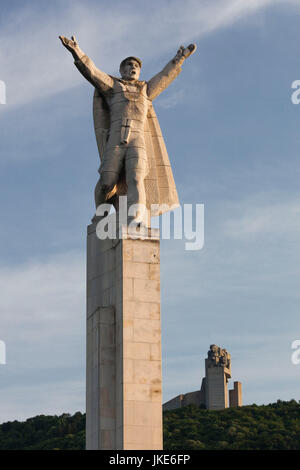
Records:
x=130, y=68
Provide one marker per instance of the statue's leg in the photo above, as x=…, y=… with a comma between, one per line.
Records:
x=109, y=174
x=99, y=194
x=106, y=183
x=136, y=170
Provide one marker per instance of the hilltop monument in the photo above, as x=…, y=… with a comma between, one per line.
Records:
x=124, y=390
x=217, y=374
x=213, y=394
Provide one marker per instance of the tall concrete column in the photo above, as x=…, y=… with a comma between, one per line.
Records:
x=216, y=388
x=124, y=385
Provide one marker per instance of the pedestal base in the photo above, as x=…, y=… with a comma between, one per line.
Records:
x=124, y=386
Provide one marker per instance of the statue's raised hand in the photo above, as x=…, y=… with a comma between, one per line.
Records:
x=184, y=52
x=72, y=46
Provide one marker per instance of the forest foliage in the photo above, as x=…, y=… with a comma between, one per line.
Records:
x=274, y=426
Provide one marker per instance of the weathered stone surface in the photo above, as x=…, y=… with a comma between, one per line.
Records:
x=124, y=385
x=217, y=374
x=218, y=357
x=127, y=131
x=216, y=388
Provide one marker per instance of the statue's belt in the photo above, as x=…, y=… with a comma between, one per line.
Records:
x=128, y=125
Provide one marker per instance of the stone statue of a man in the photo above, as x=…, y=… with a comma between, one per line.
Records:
x=134, y=160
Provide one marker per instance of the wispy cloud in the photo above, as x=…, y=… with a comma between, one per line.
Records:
x=42, y=321
x=34, y=65
x=40, y=296
x=172, y=99
x=255, y=220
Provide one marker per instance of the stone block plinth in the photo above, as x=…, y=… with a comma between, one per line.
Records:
x=124, y=384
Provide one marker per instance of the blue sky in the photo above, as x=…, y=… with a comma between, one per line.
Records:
x=233, y=137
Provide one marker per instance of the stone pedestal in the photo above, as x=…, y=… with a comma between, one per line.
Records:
x=124, y=385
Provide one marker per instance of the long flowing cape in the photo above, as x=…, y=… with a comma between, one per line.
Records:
x=159, y=182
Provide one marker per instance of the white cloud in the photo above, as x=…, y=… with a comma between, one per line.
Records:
x=171, y=100
x=42, y=321
x=42, y=297
x=35, y=65
x=264, y=219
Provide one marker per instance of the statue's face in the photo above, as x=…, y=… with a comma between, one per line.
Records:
x=131, y=70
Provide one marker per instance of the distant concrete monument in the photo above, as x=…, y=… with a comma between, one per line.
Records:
x=124, y=386
x=217, y=374
x=213, y=394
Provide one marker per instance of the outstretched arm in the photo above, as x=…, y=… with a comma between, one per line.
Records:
x=163, y=79
x=86, y=66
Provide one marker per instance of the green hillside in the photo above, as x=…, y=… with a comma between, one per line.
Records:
x=274, y=426
x=44, y=433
